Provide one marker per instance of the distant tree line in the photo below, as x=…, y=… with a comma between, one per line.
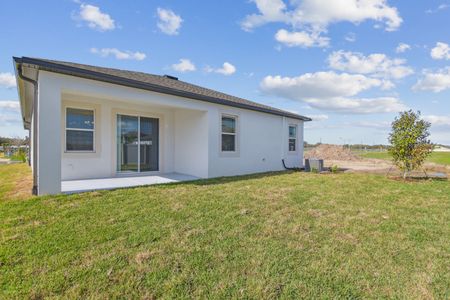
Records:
x=354, y=146
x=364, y=146
x=13, y=141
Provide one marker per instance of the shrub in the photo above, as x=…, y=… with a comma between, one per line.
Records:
x=334, y=169
x=21, y=155
x=409, y=141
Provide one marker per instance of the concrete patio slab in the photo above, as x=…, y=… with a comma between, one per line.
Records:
x=78, y=186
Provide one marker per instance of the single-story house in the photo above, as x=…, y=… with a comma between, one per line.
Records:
x=441, y=149
x=89, y=122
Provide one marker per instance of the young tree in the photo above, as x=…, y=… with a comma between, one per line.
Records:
x=410, y=145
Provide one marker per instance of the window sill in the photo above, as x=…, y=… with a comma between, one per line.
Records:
x=79, y=152
x=229, y=154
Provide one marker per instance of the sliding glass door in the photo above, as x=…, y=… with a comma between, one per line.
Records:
x=137, y=144
x=127, y=141
x=149, y=144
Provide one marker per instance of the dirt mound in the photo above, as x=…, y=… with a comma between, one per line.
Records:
x=332, y=152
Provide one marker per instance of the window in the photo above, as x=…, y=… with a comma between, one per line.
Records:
x=228, y=134
x=292, y=137
x=79, y=130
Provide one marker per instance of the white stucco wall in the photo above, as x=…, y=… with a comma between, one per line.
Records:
x=103, y=162
x=191, y=143
x=189, y=133
x=49, y=138
x=262, y=143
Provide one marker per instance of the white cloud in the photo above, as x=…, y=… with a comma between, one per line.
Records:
x=11, y=106
x=169, y=22
x=378, y=125
x=226, y=69
x=387, y=85
x=118, y=54
x=7, y=80
x=185, y=65
x=318, y=14
x=359, y=105
x=301, y=39
x=319, y=118
x=435, y=82
x=442, y=6
x=95, y=18
x=7, y=120
x=441, y=121
x=350, y=37
x=372, y=124
x=9, y=113
x=319, y=85
x=270, y=11
x=323, y=12
x=402, y=47
x=330, y=91
x=440, y=136
x=376, y=64
x=314, y=17
x=440, y=51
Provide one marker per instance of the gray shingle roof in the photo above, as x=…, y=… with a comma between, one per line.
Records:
x=152, y=82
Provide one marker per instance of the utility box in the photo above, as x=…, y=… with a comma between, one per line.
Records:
x=314, y=164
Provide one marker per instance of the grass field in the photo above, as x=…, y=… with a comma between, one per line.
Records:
x=280, y=235
x=15, y=182
x=442, y=158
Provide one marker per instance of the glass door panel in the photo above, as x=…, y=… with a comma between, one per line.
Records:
x=127, y=143
x=149, y=144
x=137, y=144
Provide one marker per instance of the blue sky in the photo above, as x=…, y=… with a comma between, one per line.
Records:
x=349, y=64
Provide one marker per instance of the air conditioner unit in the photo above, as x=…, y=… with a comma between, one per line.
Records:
x=314, y=164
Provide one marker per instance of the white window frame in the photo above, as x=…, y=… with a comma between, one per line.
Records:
x=235, y=134
x=78, y=129
x=294, y=138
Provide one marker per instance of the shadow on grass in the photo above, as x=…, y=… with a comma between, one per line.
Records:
x=418, y=178
x=229, y=179
x=329, y=170
x=196, y=182
x=241, y=178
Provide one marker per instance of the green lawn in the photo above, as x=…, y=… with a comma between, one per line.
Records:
x=280, y=235
x=442, y=158
x=15, y=182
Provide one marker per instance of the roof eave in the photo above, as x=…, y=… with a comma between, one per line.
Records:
x=25, y=119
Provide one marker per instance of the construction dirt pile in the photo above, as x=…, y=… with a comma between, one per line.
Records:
x=331, y=152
